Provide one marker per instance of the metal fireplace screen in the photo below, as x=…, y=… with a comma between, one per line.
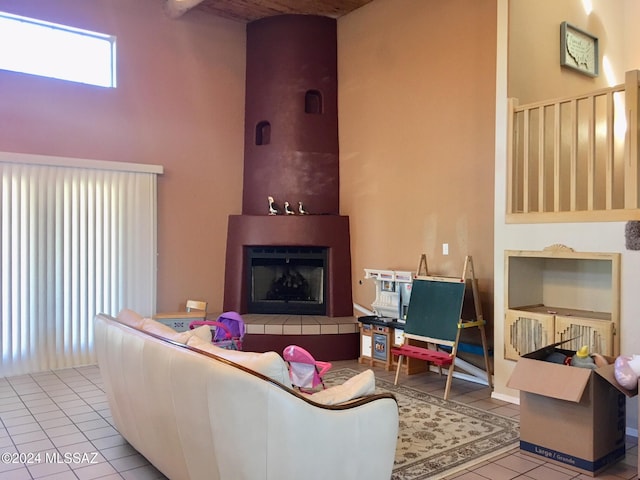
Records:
x=287, y=280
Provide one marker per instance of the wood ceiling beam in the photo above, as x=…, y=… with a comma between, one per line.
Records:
x=177, y=8
x=250, y=10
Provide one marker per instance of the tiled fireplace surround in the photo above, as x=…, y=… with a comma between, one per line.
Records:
x=291, y=153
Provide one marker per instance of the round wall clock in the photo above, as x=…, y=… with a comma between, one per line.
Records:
x=578, y=50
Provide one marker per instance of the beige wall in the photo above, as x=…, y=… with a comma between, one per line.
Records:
x=179, y=103
x=416, y=115
x=631, y=34
x=534, y=53
x=534, y=46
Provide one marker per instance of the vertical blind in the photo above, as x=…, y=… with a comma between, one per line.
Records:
x=78, y=238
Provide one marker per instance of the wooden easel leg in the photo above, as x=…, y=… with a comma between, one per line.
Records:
x=422, y=266
x=486, y=356
x=467, y=264
x=400, y=357
x=447, y=388
x=478, y=308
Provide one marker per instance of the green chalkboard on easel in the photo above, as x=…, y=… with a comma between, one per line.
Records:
x=435, y=308
x=434, y=316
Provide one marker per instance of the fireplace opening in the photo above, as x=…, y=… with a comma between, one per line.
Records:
x=287, y=280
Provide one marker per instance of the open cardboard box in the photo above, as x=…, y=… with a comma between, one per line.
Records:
x=575, y=417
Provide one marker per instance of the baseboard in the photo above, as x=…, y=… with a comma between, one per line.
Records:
x=506, y=398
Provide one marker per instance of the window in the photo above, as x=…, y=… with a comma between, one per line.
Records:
x=57, y=51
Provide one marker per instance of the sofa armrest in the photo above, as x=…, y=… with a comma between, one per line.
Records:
x=359, y=385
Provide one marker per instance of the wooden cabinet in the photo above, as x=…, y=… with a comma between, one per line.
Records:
x=557, y=294
x=526, y=330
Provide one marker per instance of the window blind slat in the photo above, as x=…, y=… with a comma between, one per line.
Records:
x=75, y=242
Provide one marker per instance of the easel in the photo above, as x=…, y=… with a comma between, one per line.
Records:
x=422, y=266
x=436, y=319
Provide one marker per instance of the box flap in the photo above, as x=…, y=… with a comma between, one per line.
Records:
x=544, y=352
x=608, y=373
x=549, y=379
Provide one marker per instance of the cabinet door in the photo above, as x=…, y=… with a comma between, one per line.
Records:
x=365, y=344
x=398, y=337
x=596, y=334
x=526, y=332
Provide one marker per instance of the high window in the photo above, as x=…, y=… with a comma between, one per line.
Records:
x=57, y=51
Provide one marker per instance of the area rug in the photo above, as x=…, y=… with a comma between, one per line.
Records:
x=437, y=437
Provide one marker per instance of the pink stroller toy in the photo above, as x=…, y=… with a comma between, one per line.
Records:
x=228, y=331
x=305, y=371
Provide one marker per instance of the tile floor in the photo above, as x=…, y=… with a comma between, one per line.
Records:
x=57, y=426
x=513, y=464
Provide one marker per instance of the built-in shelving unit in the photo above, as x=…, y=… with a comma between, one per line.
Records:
x=557, y=294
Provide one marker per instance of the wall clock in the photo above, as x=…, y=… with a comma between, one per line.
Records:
x=578, y=50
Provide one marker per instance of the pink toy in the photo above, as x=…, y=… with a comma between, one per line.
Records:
x=627, y=371
x=304, y=370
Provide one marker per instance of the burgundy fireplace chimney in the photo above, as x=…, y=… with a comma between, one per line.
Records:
x=291, y=154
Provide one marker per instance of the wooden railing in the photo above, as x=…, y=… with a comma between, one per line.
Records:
x=575, y=159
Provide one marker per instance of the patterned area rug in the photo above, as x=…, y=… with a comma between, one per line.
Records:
x=438, y=437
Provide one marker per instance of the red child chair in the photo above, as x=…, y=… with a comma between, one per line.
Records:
x=305, y=371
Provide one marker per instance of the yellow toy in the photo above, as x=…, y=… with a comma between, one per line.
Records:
x=582, y=359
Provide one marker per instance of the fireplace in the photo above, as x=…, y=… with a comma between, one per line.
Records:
x=291, y=154
x=286, y=280
x=304, y=235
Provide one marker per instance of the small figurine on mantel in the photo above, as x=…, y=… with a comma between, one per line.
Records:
x=301, y=209
x=287, y=209
x=274, y=208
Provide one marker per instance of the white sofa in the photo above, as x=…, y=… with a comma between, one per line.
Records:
x=195, y=415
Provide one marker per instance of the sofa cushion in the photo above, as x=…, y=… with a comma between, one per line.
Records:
x=269, y=364
x=153, y=326
x=358, y=386
x=131, y=318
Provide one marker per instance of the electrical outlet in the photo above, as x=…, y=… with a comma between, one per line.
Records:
x=445, y=249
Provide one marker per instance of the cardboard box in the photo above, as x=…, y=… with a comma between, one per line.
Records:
x=574, y=417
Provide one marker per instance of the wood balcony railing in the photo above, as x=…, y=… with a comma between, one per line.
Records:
x=575, y=159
